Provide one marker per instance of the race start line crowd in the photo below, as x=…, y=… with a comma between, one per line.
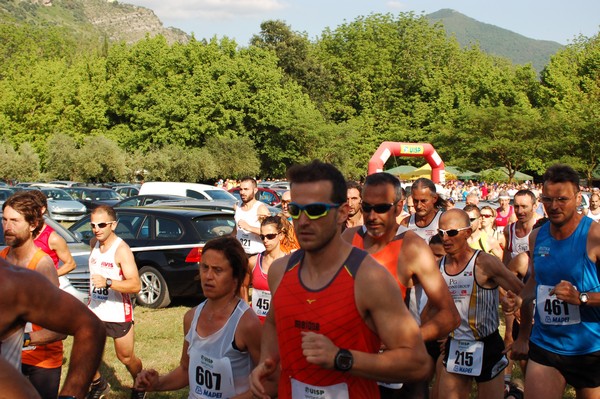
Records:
x=345, y=294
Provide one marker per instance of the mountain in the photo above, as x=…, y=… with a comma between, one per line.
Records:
x=90, y=18
x=494, y=40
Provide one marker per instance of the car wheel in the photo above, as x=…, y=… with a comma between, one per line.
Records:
x=154, y=293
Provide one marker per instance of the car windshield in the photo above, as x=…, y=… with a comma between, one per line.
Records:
x=214, y=226
x=106, y=195
x=220, y=195
x=57, y=195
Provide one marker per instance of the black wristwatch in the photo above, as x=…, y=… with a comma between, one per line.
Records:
x=108, y=282
x=343, y=360
x=584, y=298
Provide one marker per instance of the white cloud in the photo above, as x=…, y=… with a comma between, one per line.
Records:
x=397, y=5
x=209, y=9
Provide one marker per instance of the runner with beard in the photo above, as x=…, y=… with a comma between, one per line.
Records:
x=248, y=215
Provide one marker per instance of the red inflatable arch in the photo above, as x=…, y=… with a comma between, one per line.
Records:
x=388, y=148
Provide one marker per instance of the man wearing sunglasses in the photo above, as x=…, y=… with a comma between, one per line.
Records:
x=428, y=208
x=409, y=259
x=333, y=305
x=248, y=215
x=562, y=340
x=113, y=279
x=474, y=350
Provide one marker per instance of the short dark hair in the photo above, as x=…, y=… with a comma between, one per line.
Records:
x=106, y=209
x=29, y=206
x=560, y=173
x=250, y=179
x=234, y=252
x=381, y=178
x=39, y=196
x=528, y=193
x=472, y=208
x=318, y=171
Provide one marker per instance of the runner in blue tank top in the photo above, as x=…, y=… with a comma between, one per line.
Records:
x=564, y=346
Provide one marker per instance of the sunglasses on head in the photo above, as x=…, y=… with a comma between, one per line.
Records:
x=378, y=208
x=313, y=211
x=268, y=236
x=100, y=225
x=451, y=232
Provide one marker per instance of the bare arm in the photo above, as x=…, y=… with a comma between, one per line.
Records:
x=506, y=253
x=131, y=279
x=149, y=380
x=59, y=245
x=48, y=308
x=44, y=336
x=493, y=272
x=264, y=377
x=248, y=337
x=416, y=262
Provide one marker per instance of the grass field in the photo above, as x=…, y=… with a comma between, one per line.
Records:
x=159, y=339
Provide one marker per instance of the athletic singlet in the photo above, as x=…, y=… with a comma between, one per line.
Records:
x=481, y=243
x=109, y=305
x=476, y=305
x=595, y=218
x=216, y=368
x=41, y=242
x=516, y=245
x=43, y=356
x=330, y=311
x=250, y=241
x=425, y=232
x=388, y=256
x=261, y=294
x=560, y=327
x=502, y=221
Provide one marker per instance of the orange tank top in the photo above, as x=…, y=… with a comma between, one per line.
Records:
x=47, y=356
x=388, y=256
x=330, y=311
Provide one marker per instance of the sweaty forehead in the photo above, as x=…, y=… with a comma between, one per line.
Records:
x=559, y=189
x=421, y=193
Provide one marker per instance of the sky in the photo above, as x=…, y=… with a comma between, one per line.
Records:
x=557, y=20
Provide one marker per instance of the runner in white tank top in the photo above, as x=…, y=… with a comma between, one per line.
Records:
x=107, y=304
x=248, y=215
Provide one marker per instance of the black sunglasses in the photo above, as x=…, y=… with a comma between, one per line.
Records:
x=268, y=236
x=378, y=208
x=451, y=232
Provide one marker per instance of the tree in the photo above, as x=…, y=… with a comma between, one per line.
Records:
x=101, y=160
x=61, y=157
x=236, y=156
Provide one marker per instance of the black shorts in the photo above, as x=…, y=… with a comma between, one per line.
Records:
x=45, y=381
x=580, y=371
x=494, y=361
x=117, y=330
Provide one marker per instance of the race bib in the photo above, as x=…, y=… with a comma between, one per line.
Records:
x=211, y=378
x=465, y=357
x=261, y=301
x=553, y=311
x=301, y=390
x=245, y=239
x=100, y=294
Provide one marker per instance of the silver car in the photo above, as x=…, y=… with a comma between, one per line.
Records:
x=62, y=207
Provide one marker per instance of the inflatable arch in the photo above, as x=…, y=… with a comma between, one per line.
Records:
x=388, y=148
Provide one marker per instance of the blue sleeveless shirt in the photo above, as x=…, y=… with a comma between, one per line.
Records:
x=559, y=327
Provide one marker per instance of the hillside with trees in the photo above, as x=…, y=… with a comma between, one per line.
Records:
x=204, y=109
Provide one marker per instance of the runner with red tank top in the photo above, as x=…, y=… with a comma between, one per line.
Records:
x=332, y=307
x=505, y=213
x=271, y=234
x=409, y=259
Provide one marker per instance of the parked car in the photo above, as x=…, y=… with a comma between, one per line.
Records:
x=192, y=190
x=77, y=282
x=127, y=191
x=166, y=244
x=91, y=197
x=224, y=206
x=61, y=206
x=266, y=195
x=66, y=183
x=147, y=199
x=5, y=192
